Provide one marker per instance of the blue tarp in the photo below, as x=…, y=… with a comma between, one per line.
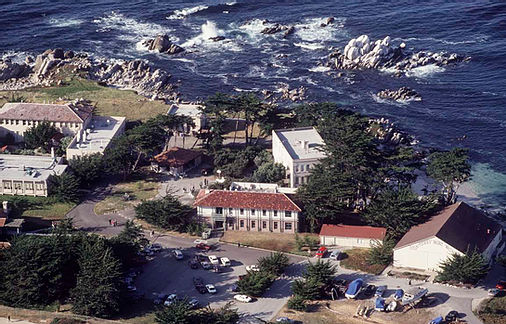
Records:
x=437, y=320
x=354, y=287
x=380, y=303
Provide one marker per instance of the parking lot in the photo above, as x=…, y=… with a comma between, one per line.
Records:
x=167, y=275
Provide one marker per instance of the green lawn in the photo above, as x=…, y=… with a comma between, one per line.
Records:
x=40, y=207
x=108, y=101
x=356, y=259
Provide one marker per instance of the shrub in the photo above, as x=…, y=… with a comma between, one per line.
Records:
x=308, y=289
x=297, y=303
x=255, y=283
x=275, y=263
x=381, y=252
x=467, y=268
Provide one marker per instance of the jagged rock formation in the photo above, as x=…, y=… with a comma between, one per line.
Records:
x=386, y=132
x=276, y=28
x=401, y=94
x=162, y=44
x=135, y=75
x=363, y=53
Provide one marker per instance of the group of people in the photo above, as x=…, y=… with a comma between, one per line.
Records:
x=113, y=222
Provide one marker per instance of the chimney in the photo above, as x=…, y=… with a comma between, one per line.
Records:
x=52, y=152
x=5, y=207
x=306, y=146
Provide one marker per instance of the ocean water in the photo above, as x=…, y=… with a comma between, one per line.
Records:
x=466, y=99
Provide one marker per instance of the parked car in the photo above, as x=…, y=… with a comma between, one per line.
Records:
x=233, y=288
x=452, y=316
x=322, y=251
x=193, y=302
x=243, y=298
x=199, y=241
x=285, y=320
x=335, y=254
x=203, y=246
x=501, y=285
x=206, y=265
x=213, y=259
x=493, y=292
x=178, y=254
x=368, y=291
x=194, y=264
x=399, y=293
x=437, y=320
x=199, y=285
x=225, y=262
x=147, y=251
x=155, y=247
x=170, y=299
x=211, y=288
x=252, y=267
x=380, y=291
x=160, y=299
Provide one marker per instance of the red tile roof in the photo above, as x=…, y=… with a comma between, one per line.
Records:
x=2, y=222
x=459, y=225
x=176, y=156
x=246, y=199
x=353, y=231
x=75, y=113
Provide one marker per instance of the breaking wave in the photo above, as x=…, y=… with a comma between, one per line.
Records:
x=65, y=22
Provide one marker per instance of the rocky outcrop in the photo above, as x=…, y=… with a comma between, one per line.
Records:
x=329, y=21
x=401, y=94
x=363, y=53
x=11, y=70
x=387, y=133
x=276, y=28
x=135, y=75
x=162, y=44
x=217, y=38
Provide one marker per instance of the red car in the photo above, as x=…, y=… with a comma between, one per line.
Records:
x=203, y=246
x=321, y=252
x=501, y=285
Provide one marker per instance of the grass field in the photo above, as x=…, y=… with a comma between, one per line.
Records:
x=138, y=190
x=39, y=207
x=108, y=101
x=269, y=241
x=356, y=259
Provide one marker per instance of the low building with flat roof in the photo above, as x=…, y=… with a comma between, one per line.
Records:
x=96, y=137
x=192, y=110
x=28, y=175
x=351, y=235
x=298, y=150
x=176, y=160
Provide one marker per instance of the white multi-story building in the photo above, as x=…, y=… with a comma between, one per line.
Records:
x=28, y=175
x=298, y=150
x=248, y=211
x=16, y=118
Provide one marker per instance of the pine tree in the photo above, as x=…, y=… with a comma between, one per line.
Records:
x=467, y=268
x=275, y=263
x=40, y=136
x=64, y=187
x=179, y=312
x=88, y=169
x=321, y=271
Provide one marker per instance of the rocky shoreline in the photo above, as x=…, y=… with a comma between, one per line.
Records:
x=45, y=70
x=363, y=53
x=401, y=94
x=162, y=44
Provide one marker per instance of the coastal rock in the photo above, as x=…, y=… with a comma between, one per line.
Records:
x=11, y=70
x=162, y=44
x=329, y=21
x=289, y=31
x=217, y=38
x=401, y=94
x=276, y=28
x=363, y=53
x=294, y=95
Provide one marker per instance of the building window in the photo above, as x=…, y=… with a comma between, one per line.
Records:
x=264, y=224
x=231, y=224
x=252, y=212
x=241, y=222
x=296, y=180
x=17, y=122
x=241, y=211
x=230, y=211
x=219, y=210
x=288, y=213
x=39, y=185
x=7, y=185
x=275, y=213
x=275, y=225
x=296, y=168
x=29, y=185
x=307, y=167
x=288, y=226
x=24, y=122
x=253, y=224
x=264, y=212
x=17, y=185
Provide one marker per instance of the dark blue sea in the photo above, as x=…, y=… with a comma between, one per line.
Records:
x=466, y=99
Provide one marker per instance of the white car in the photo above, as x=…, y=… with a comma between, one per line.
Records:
x=253, y=267
x=243, y=298
x=178, y=254
x=170, y=299
x=198, y=241
x=214, y=259
x=225, y=262
x=205, y=265
x=211, y=289
x=155, y=247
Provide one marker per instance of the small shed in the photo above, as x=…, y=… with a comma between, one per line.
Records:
x=350, y=235
x=176, y=160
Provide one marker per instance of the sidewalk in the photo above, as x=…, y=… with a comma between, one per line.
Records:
x=4, y=320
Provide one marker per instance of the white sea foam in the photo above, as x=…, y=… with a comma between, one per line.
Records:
x=310, y=46
x=254, y=27
x=424, y=71
x=185, y=12
x=65, y=22
x=16, y=57
x=320, y=68
x=398, y=103
x=476, y=39
x=311, y=30
x=132, y=30
x=204, y=42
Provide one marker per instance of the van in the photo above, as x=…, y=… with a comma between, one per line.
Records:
x=178, y=254
x=335, y=255
x=225, y=262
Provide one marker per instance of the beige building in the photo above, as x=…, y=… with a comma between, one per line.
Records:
x=28, y=175
x=17, y=118
x=298, y=150
x=248, y=211
x=349, y=235
x=454, y=230
x=191, y=110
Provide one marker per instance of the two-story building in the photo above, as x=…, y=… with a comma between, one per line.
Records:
x=298, y=150
x=248, y=211
x=17, y=117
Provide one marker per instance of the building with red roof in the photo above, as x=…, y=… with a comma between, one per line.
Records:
x=176, y=160
x=248, y=210
x=350, y=235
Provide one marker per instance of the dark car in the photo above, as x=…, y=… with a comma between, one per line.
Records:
x=369, y=291
x=452, y=316
x=199, y=285
x=194, y=263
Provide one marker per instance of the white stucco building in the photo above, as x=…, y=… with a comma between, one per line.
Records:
x=248, y=211
x=28, y=175
x=68, y=118
x=350, y=235
x=298, y=150
x=455, y=229
x=191, y=110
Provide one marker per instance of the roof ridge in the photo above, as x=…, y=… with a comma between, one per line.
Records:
x=459, y=204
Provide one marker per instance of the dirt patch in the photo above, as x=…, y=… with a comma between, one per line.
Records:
x=356, y=259
x=343, y=312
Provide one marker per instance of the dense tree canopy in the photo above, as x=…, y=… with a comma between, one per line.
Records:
x=167, y=213
x=467, y=268
x=179, y=312
x=88, y=169
x=40, y=136
x=64, y=187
